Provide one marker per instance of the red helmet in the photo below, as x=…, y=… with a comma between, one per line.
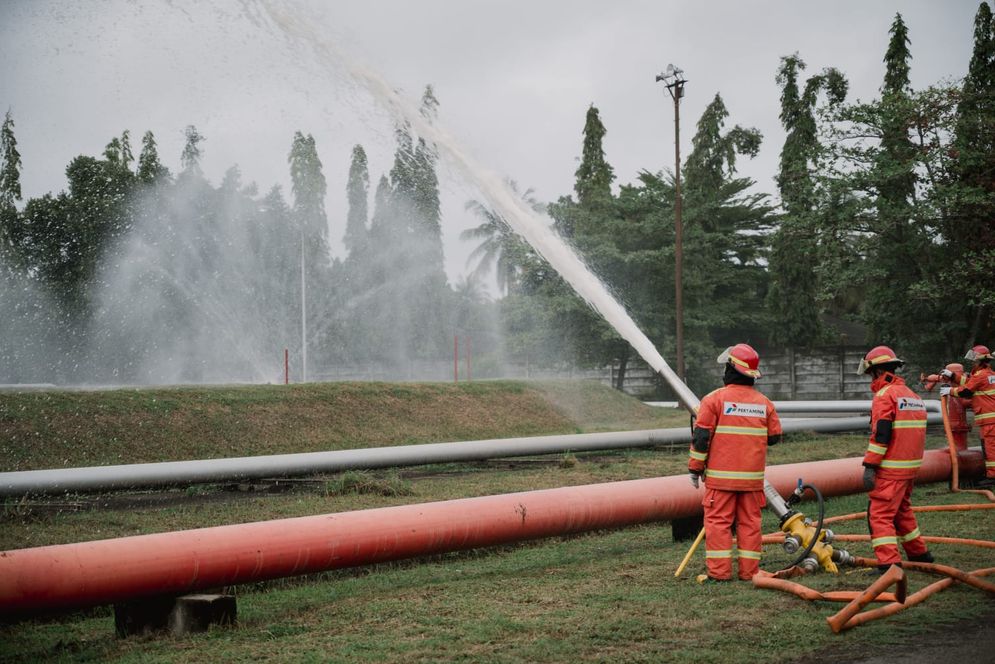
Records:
x=743, y=359
x=877, y=356
x=978, y=353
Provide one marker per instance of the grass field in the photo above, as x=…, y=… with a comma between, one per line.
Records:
x=604, y=596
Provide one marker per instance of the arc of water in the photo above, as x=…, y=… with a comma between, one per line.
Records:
x=523, y=220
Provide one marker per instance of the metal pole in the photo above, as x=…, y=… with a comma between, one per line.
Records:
x=469, y=365
x=674, y=79
x=303, y=315
x=677, y=91
x=455, y=358
x=286, y=366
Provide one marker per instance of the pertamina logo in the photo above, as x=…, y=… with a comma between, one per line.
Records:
x=907, y=403
x=744, y=409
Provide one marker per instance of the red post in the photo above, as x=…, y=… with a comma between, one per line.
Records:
x=469, y=366
x=455, y=359
x=286, y=366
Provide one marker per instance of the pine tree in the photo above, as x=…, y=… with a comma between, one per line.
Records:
x=713, y=154
x=594, y=176
x=357, y=193
x=896, y=257
x=150, y=168
x=429, y=104
x=381, y=205
x=112, y=152
x=10, y=189
x=190, y=158
x=309, y=186
x=897, y=179
x=427, y=221
x=792, y=299
x=724, y=231
x=127, y=156
x=969, y=230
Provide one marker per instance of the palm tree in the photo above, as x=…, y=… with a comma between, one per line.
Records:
x=500, y=246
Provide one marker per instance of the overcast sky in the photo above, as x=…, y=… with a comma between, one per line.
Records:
x=514, y=80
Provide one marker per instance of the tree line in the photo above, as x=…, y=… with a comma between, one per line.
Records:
x=137, y=274
x=884, y=218
x=884, y=224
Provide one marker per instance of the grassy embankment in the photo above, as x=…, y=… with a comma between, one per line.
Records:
x=594, y=597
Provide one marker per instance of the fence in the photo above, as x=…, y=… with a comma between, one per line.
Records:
x=817, y=373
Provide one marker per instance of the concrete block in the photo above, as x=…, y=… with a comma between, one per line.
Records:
x=686, y=529
x=195, y=613
x=178, y=615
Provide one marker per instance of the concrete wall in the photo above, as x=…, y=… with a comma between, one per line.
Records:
x=820, y=373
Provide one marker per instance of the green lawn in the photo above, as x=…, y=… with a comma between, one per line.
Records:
x=604, y=596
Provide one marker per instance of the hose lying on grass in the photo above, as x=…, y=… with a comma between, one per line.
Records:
x=852, y=614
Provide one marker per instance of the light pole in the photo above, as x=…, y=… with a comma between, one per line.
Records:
x=303, y=314
x=674, y=79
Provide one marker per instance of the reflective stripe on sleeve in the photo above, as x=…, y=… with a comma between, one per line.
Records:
x=909, y=424
x=699, y=456
x=876, y=449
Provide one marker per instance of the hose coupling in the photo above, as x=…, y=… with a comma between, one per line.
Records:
x=810, y=564
x=842, y=557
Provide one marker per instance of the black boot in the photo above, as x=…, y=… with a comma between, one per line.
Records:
x=922, y=558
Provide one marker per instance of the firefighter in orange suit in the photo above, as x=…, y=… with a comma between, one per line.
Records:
x=980, y=387
x=893, y=457
x=729, y=447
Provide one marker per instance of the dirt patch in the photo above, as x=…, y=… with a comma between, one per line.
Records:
x=971, y=642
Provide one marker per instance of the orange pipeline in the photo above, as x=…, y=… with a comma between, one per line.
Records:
x=108, y=571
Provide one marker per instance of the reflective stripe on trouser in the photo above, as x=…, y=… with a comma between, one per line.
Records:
x=988, y=440
x=721, y=509
x=891, y=520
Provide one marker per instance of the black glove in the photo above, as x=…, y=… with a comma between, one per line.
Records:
x=869, y=472
x=695, y=477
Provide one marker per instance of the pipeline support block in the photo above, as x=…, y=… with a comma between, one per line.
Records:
x=181, y=615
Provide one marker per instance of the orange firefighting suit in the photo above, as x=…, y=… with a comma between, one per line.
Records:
x=981, y=388
x=730, y=448
x=898, y=438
